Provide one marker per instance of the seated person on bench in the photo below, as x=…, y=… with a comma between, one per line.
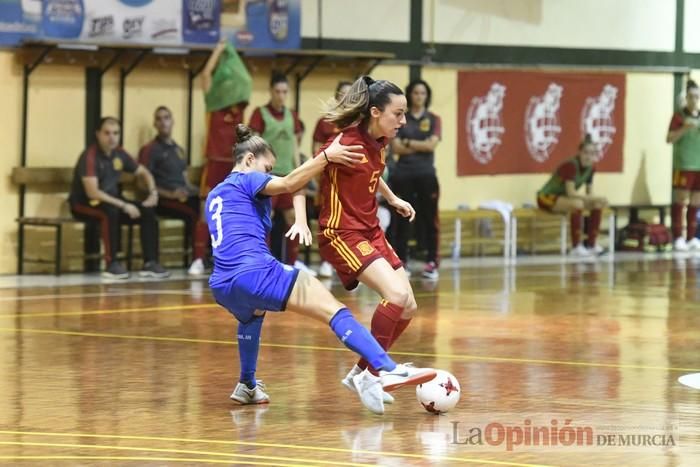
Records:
x=96, y=197
x=560, y=195
x=176, y=196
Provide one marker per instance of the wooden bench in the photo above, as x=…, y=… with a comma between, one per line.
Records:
x=457, y=233
x=56, y=180
x=633, y=211
x=543, y=221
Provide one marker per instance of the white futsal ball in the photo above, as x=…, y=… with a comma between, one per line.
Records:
x=439, y=395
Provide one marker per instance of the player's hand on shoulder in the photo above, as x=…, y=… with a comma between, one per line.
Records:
x=345, y=155
x=302, y=230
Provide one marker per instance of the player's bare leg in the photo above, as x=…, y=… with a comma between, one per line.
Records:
x=574, y=207
x=393, y=313
x=310, y=298
x=681, y=198
x=692, y=222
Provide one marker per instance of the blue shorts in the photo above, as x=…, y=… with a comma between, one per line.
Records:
x=265, y=289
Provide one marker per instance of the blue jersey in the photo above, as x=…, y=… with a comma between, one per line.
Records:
x=238, y=217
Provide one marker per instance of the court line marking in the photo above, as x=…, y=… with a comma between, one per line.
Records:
x=277, y=445
x=203, y=306
x=183, y=451
x=145, y=459
x=113, y=293
x=343, y=349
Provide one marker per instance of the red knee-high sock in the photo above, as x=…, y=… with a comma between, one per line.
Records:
x=201, y=240
x=292, y=248
x=677, y=220
x=576, y=221
x=384, y=321
x=399, y=329
x=594, y=226
x=691, y=221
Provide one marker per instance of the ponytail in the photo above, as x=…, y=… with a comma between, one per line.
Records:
x=355, y=106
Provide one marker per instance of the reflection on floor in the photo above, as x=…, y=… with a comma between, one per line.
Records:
x=139, y=373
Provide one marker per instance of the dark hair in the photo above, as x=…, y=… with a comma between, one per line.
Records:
x=411, y=86
x=587, y=139
x=105, y=120
x=162, y=107
x=278, y=77
x=364, y=94
x=690, y=85
x=339, y=86
x=247, y=142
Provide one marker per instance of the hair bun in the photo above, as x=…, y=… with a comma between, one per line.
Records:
x=368, y=80
x=243, y=133
x=691, y=84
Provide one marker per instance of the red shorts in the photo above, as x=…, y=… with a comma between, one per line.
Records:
x=284, y=202
x=546, y=202
x=351, y=251
x=214, y=172
x=686, y=180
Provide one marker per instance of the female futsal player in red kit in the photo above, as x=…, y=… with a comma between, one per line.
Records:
x=350, y=237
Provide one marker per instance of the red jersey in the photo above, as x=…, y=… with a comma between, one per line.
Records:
x=221, y=133
x=348, y=195
x=324, y=130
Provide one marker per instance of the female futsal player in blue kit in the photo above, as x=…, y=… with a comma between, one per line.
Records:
x=247, y=280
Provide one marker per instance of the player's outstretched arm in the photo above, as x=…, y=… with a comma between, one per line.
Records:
x=402, y=207
x=211, y=64
x=336, y=153
x=300, y=226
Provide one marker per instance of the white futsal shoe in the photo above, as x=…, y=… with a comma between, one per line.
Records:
x=405, y=374
x=693, y=244
x=350, y=384
x=580, y=251
x=245, y=396
x=596, y=250
x=369, y=388
x=196, y=268
x=680, y=244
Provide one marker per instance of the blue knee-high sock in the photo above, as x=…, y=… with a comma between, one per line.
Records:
x=248, y=345
x=358, y=339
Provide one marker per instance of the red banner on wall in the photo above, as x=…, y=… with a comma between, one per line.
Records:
x=529, y=122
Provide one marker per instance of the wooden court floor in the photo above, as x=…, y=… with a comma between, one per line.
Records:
x=139, y=373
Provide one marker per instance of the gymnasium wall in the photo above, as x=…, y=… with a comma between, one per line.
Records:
x=691, y=32
x=10, y=96
x=647, y=158
x=57, y=102
x=638, y=24
x=388, y=20
x=57, y=117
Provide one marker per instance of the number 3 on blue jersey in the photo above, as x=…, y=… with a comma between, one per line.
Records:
x=216, y=206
